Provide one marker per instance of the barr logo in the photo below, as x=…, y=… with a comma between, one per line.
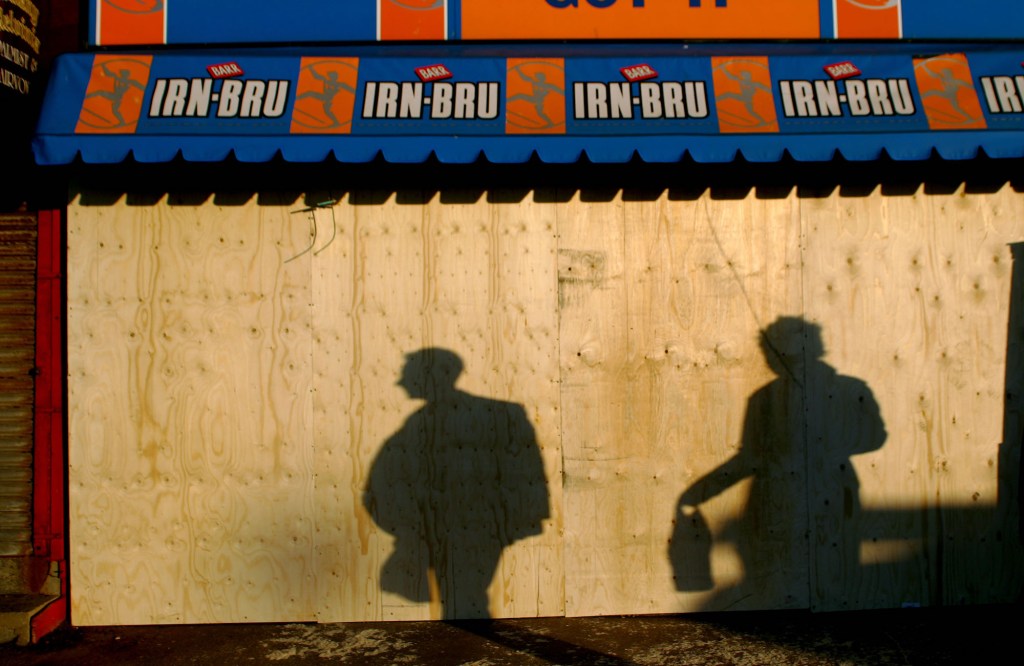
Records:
x=325, y=96
x=842, y=70
x=113, y=98
x=638, y=73
x=225, y=70
x=743, y=95
x=947, y=94
x=535, y=103
x=433, y=73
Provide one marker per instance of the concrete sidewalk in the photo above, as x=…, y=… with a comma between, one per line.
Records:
x=968, y=635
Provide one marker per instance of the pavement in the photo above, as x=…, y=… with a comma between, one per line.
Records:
x=962, y=635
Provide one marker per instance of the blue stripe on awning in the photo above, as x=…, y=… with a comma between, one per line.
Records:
x=52, y=150
x=507, y=103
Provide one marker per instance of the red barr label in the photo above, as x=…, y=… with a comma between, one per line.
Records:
x=842, y=70
x=225, y=70
x=433, y=73
x=638, y=73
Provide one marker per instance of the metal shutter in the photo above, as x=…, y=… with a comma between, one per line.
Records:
x=17, y=359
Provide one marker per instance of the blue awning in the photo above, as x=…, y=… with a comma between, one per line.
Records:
x=506, y=103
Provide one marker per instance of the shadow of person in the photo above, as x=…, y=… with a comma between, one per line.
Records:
x=799, y=432
x=1010, y=497
x=458, y=483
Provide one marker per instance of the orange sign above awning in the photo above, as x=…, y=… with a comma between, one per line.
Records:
x=640, y=19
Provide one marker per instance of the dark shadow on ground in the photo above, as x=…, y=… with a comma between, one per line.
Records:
x=543, y=646
x=920, y=637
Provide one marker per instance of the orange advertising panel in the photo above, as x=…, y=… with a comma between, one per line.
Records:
x=325, y=96
x=639, y=19
x=868, y=19
x=412, y=19
x=947, y=92
x=743, y=95
x=131, y=22
x=113, y=97
x=535, y=103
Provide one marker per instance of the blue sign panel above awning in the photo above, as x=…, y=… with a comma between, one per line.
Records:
x=505, y=103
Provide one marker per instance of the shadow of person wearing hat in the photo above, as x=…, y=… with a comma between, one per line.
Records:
x=799, y=432
x=460, y=481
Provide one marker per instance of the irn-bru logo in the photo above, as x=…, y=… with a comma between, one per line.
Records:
x=113, y=98
x=743, y=95
x=947, y=92
x=325, y=96
x=438, y=100
x=858, y=98
x=1004, y=93
x=535, y=101
x=180, y=97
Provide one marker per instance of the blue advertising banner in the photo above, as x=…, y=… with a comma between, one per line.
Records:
x=661, y=102
x=183, y=22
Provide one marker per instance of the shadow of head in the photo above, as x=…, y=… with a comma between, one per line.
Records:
x=790, y=341
x=430, y=372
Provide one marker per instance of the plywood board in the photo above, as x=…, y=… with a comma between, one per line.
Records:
x=646, y=350
x=912, y=293
x=644, y=404
x=189, y=423
x=403, y=480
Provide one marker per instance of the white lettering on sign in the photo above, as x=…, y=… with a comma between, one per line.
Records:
x=462, y=100
x=433, y=73
x=859, y=98
x=638, y=73
x=654, y=100
x=842, y=70
x=1003, y=94
x=224, y=71
x=195, y=98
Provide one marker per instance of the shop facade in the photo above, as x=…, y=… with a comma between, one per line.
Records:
x=443, y=319
x=32, y=468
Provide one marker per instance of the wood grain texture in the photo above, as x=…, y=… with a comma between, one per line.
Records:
x=913, y=293
x=675, y=316
x=190, y=455
x=244, y=429
x=473, y=278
